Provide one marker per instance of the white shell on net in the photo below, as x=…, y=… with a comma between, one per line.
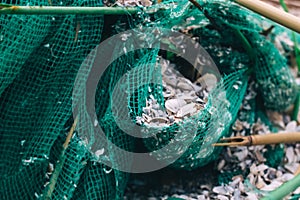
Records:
x=209, y=81
x=221, y=190
x=188, y=109
x=174, y=105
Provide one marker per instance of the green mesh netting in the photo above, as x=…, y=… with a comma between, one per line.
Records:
x=40, y=56
x=207, y=126
x=40, y=59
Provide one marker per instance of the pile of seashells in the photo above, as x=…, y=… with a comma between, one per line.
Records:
x=182, y=97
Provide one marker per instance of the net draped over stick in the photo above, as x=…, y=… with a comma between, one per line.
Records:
x=40, y=60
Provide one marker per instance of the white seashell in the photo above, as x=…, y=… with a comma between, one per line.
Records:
x=201, y=197
x=251, y=196
x=222, y=197
x=291, y=126
x=188, y=109
x=297, y=191
x=241, y=187
x=236, y=180
x=290, y=155
x=286, y=177
x=242, y=155
x=292, y=167
x=221, y=165
x=208, y=81
x=242, y=165
x=221, y=190
x=173, y=105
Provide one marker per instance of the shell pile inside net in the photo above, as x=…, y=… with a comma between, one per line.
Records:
x=182, y=98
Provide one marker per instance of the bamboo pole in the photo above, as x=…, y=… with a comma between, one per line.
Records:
x=252, y=140
x=284, y=190
x=277, y=15
x=289, y=3
x=57, y=10
x=286, y=19
x=276, y=138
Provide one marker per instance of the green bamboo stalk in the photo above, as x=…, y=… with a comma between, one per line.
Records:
x=284, y=6
x=284, y=190
x=57, y=10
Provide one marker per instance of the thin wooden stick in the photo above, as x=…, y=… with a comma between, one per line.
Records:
x=286, y=19
x=51, y=186
x=69, y=136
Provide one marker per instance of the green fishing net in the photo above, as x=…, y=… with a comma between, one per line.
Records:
x=42, y=57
